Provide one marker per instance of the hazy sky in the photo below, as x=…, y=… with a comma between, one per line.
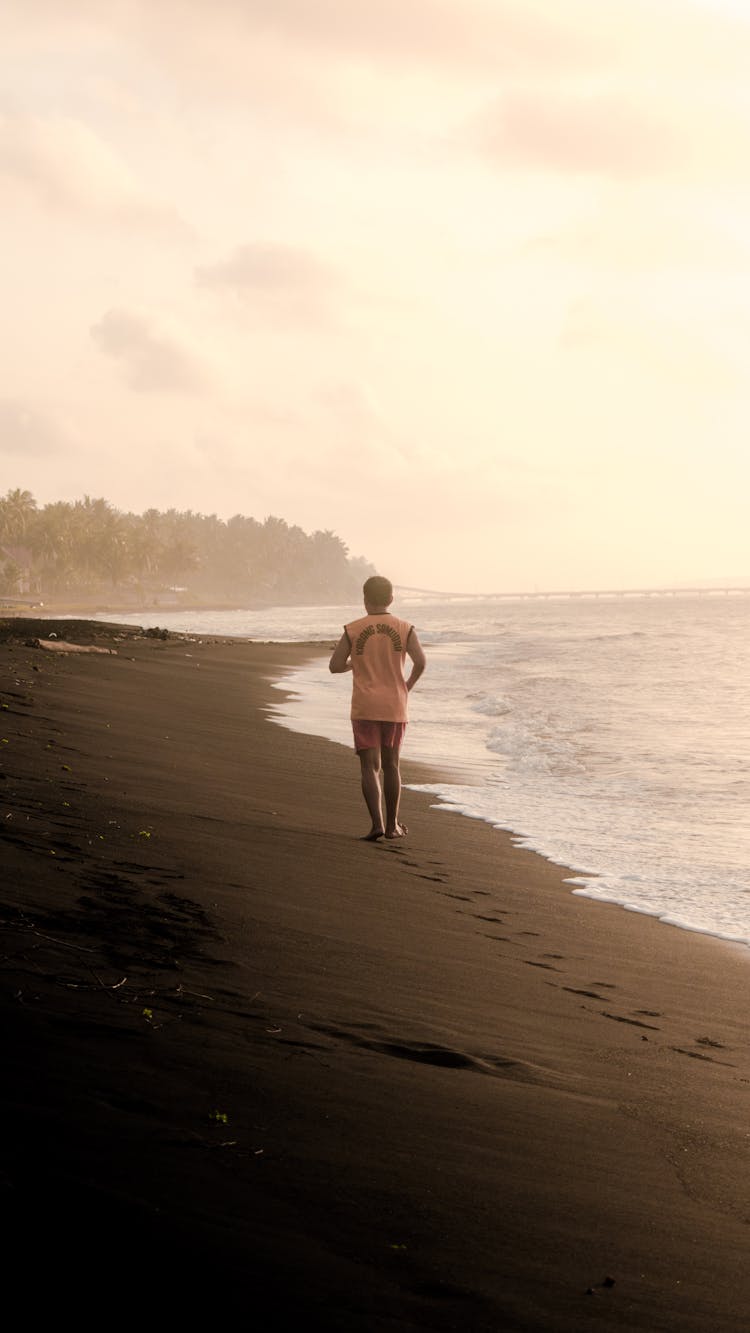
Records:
x=467, y=281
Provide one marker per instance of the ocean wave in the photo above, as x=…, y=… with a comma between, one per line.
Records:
x=491, y=706
x=435, y=637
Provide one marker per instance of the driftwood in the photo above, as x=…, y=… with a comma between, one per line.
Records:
x=60, y=646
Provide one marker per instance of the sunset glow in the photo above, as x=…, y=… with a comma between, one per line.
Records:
x=467, y=283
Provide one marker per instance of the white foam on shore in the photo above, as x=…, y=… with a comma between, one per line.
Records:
x=314, y=706
x=711, y=914
x=537, y=792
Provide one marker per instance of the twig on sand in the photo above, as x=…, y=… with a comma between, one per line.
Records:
x=80, y=948
x=182, y=990
x=73, y=985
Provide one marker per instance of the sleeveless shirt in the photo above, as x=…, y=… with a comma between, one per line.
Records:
x=378, y=651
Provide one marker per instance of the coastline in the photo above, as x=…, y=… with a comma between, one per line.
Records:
x=672, y=859
x=23, y=608
x=456, y=1095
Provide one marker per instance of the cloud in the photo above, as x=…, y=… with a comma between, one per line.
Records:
x=475, y=33
x=568, y=132
x=620, y=121
x=299, y=63
x=356, y=441
x=504, y=34
x=645, y=234
x=62, y=163
x=286, y=279
x=28, y=432
x=352, y=418
x=663, y=353
x=154, y=361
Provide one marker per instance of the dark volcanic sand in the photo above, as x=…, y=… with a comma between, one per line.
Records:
x=254, y=1066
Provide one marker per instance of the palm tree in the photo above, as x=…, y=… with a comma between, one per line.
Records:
x=112, y=546
x=53, y=544
x=144, y=544
x=17, y=510
x=77, y=545
x=179, y=557
x=94, y=535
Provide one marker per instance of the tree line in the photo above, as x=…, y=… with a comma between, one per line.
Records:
x=88, y=548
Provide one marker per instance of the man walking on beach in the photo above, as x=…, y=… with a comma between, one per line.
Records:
x=374, y=649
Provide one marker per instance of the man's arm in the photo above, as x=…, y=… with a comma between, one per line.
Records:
x=341, y=656
x=415, y=651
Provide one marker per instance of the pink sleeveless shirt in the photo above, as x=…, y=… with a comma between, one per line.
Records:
x=378, y=651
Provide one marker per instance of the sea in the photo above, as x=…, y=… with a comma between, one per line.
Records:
x=610, y=734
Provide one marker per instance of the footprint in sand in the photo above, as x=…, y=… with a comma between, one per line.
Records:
x=700, y=1055
x=632, y=1022
x=443, y=1057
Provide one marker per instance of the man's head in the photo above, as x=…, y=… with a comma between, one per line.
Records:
x=378, y=593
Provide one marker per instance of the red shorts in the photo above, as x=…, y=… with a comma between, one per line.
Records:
x=375, y=735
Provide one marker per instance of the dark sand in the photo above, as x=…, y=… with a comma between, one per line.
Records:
x=255, y=1067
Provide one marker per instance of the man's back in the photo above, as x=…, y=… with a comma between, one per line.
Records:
x=378, y=645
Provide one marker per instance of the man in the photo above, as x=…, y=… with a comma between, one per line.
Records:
x=374, y=649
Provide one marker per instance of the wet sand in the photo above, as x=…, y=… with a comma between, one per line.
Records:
x=253, y=1065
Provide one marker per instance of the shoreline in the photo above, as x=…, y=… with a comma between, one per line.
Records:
x=87, y=609
x=375, y=1087
x=580, y=882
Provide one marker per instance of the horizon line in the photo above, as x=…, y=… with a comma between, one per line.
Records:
x=668, y=591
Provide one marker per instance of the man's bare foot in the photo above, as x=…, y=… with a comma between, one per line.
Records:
x=400, y=831
x=373, y=835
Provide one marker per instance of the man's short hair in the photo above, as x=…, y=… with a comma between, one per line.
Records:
x=378, y=591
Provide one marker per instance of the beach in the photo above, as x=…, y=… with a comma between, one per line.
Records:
x=253, y=1063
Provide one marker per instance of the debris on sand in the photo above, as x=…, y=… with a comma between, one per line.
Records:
x=60, y=646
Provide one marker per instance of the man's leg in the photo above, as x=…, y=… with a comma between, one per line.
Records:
x=392, y=790
x=370, y=763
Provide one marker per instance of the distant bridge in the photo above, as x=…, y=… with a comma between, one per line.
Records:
x=578, y=594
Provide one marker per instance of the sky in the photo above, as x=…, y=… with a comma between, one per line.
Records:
x=465, y=281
